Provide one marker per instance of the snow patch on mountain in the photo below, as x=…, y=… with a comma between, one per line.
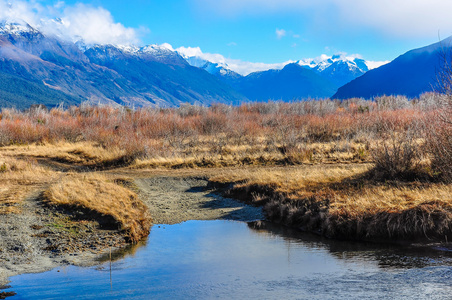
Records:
x=216, y=63
x=196, y=57
x=16, y=27
x=323, y=62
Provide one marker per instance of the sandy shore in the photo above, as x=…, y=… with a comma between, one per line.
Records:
x=174, y=200
x=40, y=238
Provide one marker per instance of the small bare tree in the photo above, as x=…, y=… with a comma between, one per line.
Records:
x=439, y=135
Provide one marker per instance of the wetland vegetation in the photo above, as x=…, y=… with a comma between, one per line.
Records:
x=359, y=170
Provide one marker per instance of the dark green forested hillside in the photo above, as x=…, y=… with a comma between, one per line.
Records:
x=19, y=93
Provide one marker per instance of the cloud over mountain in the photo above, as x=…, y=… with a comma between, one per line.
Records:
x=242, y=67
x=95, y=25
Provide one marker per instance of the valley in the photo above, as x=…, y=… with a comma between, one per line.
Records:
x=319, y=177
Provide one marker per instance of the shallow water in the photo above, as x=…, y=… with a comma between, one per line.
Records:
x=236, y=260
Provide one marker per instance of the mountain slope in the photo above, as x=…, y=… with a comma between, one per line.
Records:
x=410, y=74
x=19, y=93
x=132, y=76
x=165, y=78
x=336, y=70
x=290, y=83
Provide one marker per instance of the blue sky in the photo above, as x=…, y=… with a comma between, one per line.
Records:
x=265, y=31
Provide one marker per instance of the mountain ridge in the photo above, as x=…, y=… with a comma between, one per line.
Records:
x=135, y=76
x=410, y=74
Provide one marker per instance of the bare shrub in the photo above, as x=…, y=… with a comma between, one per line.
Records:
x=439, y=135
x=274, y=131
x=398, y=154
x=439, y=142
x=392, y=102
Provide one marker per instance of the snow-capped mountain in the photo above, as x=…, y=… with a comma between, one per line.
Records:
x=338, y=69
x=314, y=78
x=410, y=74
x=48, y=69
x=219, y=69
x=39, y=68
x=293, y=82
x=323, y=62
x=17, y=27
x=149, y=53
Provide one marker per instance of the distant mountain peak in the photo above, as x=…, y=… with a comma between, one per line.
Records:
x=324, y=62
x=410, y=74
x=219, y=69
x=16, y=27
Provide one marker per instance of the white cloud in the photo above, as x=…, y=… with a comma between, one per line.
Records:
x=236, y=65
x=280, y=33
x=96, y=25
x=80, y=21
x=245, y=68
x=375, y=64
x=20, y=10
x=398, y=18
x=167, y=46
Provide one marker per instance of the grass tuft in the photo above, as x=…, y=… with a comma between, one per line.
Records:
x=111, y=204
x=342, y=202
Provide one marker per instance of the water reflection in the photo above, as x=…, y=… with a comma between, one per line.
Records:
x=122, y=253
x=386, y=255
x=258, y=260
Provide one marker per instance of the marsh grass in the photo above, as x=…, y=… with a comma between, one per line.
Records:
x=355, y=169
x=95, y=196
x=344, y=202
x=18, y=177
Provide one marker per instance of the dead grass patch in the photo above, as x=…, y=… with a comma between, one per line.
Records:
x=18, y=177
x=87, y=154
x=109, y=203
x=343, y=202
x=258, y=155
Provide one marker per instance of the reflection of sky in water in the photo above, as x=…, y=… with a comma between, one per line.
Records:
x=224, y=259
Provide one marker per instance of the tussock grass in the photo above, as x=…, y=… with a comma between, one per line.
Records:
x=109, y=203
x=17, y=178
x=259, y=155
x=404, y=140
x=88, y=154
x=273, y=133
x=343, y=202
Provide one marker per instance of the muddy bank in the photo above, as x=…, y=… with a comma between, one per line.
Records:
x=173, y=200
x=41, y=238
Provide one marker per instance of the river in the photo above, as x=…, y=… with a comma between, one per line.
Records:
x=258, y=260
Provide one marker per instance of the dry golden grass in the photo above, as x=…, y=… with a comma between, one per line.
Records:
x=81, y=153
x=206, y=154
x=212, y=155
x=292, y=179
x=18, y=177
x=343, y=202
x=99, y=196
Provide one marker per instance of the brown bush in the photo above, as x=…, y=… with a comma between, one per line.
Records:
x=282, y=132
x=439, y=141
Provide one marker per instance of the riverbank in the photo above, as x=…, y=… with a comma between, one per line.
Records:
x=346, y=202
x=89, y=178
x=335, y=200
x=37, y=237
